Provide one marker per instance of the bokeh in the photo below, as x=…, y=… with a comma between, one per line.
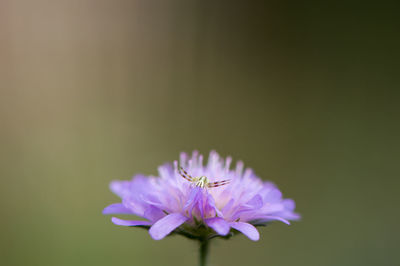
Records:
x=304, y=93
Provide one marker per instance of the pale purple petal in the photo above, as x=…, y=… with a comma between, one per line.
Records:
x=129, y=223
x=193, y=200
x=193, y=196
x=120, y=188
x=200, y=205
x=219, y=225
x=271, y=218
x=256, y=202
x=117, y=208
x=273, y=195
x=211, y=203
x=247, y=229
x=228, y=206
x=137, y=207
x=288, y=215
x=153, y=213
x=289, y=204
x=166, y=225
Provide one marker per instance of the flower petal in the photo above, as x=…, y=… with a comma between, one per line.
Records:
x=136, y=206
x=129, y=223
x=166, y=225
x=117, y=208
x=289, y=204
x=192, y=198
x=153, y=213
x=120, y=188
x=271, y=218
x=228, y=206
x=256, y=202
x=247, y=229
x=219, y=225
x=211, y=203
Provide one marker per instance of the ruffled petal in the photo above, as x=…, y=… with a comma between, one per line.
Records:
x=271, y=193
x=137, y=185
x=289, y=204
x=271, y=218
x=153, y=213
x=129, y=223
x=193, y=195
x=219, y=225
x=256, y=202
x=136, y=206
x=247, y=229
x=166, y=225
x=228, y=206
x=193, y=199
x=117, y=208
x=120, y=188
x=288, y=215
x=211, y=203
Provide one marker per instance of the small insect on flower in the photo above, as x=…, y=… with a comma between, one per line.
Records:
x=175, y=202
x=202, y=181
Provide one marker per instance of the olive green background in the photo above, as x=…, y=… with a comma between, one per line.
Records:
x=304, y=93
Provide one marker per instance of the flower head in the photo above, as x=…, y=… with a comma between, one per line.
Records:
x=200, y=201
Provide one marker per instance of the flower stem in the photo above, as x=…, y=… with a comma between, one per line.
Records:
x=203, y=251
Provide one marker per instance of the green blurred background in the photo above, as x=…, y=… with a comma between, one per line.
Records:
x=305, y=94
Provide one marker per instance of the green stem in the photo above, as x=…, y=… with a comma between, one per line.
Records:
x=203, y=252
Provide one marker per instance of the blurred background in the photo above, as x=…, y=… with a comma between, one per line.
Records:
x=304, y=93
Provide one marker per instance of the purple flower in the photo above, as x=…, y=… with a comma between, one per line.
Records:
x=197, y=204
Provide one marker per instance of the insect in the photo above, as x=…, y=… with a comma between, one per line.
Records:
x=202, y=181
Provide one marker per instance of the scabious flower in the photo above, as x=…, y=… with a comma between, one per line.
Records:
x=195, y=203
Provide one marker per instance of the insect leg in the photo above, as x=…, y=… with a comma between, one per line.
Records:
x=219, y=183
x=185, y=175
